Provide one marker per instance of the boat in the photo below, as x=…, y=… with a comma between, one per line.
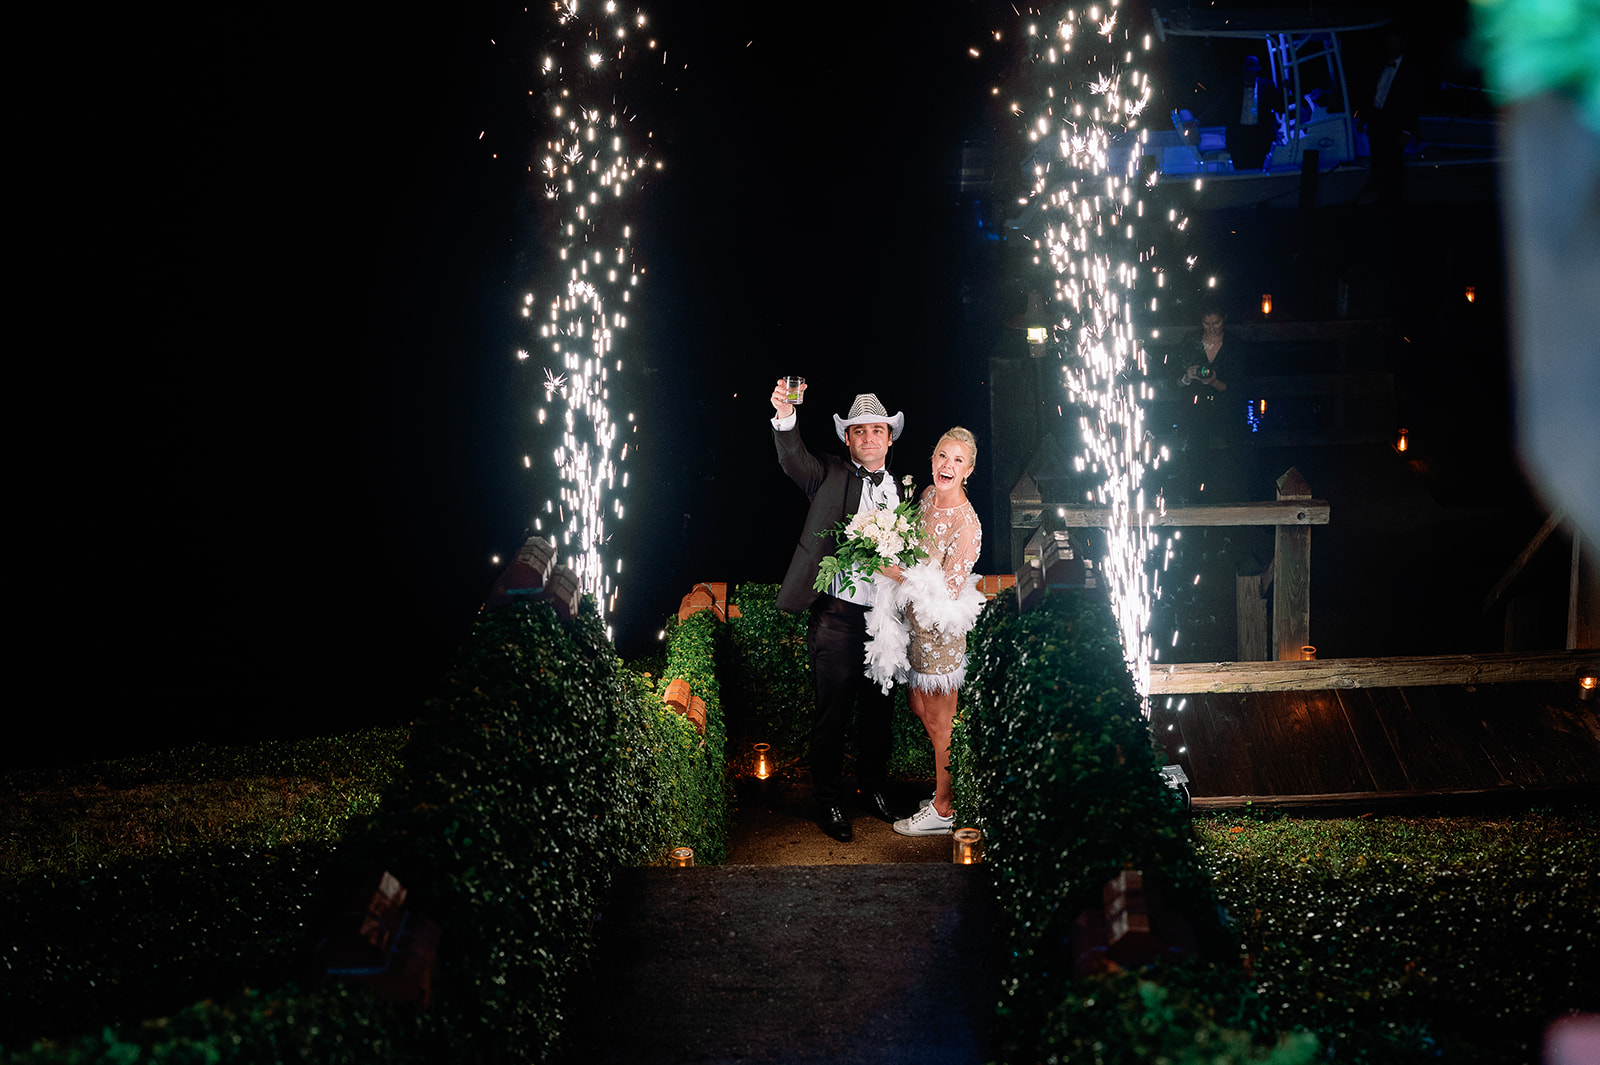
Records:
x=1320, y=155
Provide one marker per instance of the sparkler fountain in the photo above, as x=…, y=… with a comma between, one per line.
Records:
x=592, y=158
x=1088, y=227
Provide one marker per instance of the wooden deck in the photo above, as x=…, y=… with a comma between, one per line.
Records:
x=1354, y=745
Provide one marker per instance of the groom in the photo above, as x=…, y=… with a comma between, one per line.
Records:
x=837, y=634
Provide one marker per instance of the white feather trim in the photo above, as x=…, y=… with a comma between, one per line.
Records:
x=940, y=682
x=889, y=635
x=925, y=588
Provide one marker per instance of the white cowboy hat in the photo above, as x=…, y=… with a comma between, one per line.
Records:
x=867, y=410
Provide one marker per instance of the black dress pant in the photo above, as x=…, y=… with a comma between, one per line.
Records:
x=837, y=638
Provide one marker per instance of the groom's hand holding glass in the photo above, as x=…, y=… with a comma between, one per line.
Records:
x=789, y=391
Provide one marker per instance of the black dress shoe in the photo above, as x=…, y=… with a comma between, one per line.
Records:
x=835, y=824
x=877, y=805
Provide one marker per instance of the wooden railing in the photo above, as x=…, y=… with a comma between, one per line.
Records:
x=1583, y=590
x=1514, y=668
x=1288, y=576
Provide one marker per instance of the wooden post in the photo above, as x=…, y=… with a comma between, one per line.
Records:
x=1251, y=607
x=1308, y=181
x=1572, y=587
x=1291, y=601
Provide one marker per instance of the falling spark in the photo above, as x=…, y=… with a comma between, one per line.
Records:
x=592, y=156
x=1090, y=224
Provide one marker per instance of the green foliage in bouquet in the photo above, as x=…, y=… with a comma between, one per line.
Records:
x=870, y=541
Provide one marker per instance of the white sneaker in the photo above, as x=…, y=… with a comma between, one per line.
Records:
x=925, y=803
x=926, y=822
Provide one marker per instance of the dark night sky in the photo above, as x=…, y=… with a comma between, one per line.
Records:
x=278, y=275
x=269, y=429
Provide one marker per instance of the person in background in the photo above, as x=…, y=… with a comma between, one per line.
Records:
x=1203, y=370
x=1390, y=116
x=1211, y=417
x=1252, y=121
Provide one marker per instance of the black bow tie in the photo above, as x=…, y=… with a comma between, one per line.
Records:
x=876, y=476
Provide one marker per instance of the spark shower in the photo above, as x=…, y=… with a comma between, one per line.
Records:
x=587, y=166
x=1077, y=93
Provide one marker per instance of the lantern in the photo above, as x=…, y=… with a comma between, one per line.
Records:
x=967, y=846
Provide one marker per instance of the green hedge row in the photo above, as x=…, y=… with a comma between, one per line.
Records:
x=1053, y=760
x=769, y=672
x=137, y=938
x=697, y=805
x=543, y=768
x=769, y=689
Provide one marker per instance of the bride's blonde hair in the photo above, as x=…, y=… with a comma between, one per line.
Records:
x=961, y=436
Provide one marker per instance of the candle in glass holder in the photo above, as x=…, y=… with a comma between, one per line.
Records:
x=681, y=857
x=763, y=762
x=967, y=846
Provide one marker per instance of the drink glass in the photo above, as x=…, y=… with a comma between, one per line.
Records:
x=796, y=395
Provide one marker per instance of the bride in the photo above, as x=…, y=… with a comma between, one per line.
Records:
x=917, y=632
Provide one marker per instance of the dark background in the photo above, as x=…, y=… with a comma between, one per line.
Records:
x=267, y=426
x=267, y=431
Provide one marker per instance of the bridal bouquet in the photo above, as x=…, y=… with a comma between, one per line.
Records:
x=873, y=540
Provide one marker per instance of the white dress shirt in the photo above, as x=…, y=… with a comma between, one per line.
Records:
x=873, y=496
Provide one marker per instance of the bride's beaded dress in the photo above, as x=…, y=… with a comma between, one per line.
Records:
x=952, y=537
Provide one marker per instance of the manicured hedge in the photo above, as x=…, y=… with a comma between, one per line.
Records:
x=544, y=767
x=769, y=693
x=1054, y=762
x=695, y=795
x=143, y=937
x=769, y=672
x=1402, y=939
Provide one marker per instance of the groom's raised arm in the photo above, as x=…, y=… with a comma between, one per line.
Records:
x=803, y=468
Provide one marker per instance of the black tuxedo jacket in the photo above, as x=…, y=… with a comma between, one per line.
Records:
x=835, y=494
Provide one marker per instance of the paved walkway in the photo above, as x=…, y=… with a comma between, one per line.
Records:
x=840, y=964
x=800, y=949
x=777, y=825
